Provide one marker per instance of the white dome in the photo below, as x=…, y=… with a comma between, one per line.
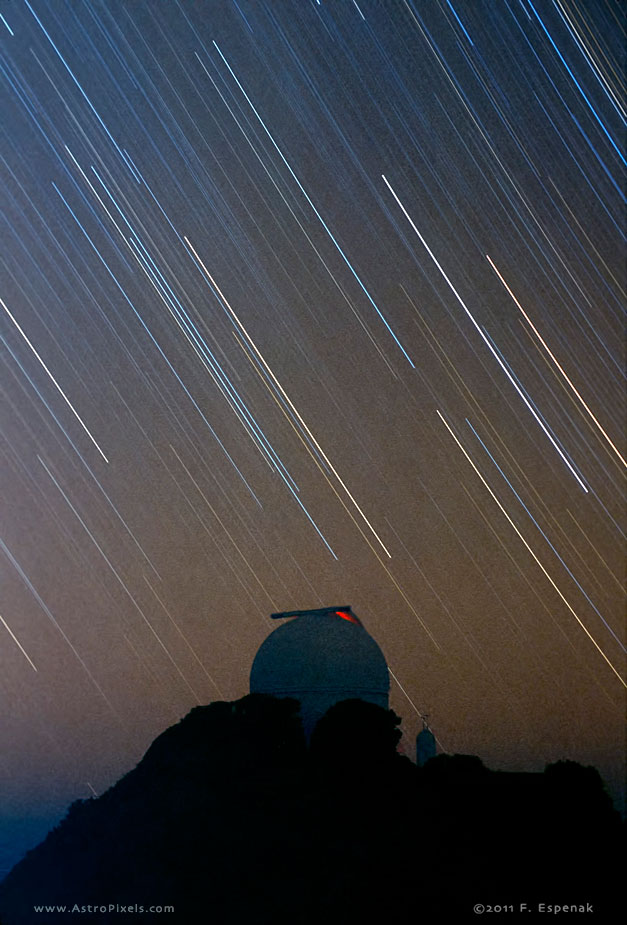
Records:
x=321, y=659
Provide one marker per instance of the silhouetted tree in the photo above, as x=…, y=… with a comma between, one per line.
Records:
x=354, y=732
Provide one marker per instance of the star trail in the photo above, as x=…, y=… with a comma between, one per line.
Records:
x=310, y=301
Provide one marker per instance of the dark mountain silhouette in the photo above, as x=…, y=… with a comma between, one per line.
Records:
x=231, y=819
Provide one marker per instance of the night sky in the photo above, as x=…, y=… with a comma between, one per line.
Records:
x=309, y=303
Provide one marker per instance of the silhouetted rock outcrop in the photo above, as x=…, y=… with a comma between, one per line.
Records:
x=229, y=818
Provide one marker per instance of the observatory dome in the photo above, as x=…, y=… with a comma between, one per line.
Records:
x=321, y=659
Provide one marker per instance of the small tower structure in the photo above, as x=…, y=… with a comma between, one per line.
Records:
x=425, y=744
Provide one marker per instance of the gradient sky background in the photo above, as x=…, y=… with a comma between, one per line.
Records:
x=309, y=303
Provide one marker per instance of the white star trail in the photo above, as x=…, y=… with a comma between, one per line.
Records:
x=533, y=555
x=55, y=383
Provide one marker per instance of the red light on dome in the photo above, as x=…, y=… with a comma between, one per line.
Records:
x=347, y=616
